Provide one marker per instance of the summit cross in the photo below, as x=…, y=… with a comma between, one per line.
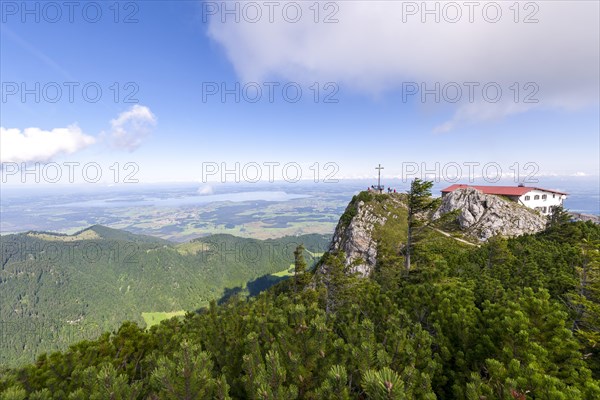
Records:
x=379, y=168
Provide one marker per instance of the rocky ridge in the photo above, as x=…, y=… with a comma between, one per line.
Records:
x=356, y=236
x=481, y=216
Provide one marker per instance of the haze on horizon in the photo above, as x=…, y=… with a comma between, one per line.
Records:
x=330, y=88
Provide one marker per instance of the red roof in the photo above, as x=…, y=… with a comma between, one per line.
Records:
x=500, y=190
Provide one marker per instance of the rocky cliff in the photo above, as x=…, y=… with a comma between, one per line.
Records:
x=576, y=216
x=360, y=227
x=482, y=216
x=372, y=220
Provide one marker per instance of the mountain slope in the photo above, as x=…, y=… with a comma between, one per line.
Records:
x=373, y=231
x=57, y=289
x=374, y=226
x=369, y=222
x=107, y=233
x=512, y=318
x=481, y=216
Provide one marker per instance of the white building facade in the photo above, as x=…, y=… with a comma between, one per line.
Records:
x=542, y=200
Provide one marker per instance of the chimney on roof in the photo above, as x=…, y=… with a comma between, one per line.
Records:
x=521, y=185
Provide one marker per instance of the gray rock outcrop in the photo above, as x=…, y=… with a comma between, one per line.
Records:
x=356, y=239
x=576, y=216
x=482, y=216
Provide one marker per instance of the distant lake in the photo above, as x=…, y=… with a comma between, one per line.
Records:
x=185, y=200
x=145, y=207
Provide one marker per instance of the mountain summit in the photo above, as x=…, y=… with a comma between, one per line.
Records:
x=372, y=222
x=482, y=216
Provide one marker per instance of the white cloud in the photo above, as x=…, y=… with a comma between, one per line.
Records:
x=372, y=51
x=482, y=111
x=37, y=145
x=131, y=127
x=205, y=190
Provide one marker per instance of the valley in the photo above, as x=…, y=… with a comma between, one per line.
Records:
x=56, y=289
x=405, y=303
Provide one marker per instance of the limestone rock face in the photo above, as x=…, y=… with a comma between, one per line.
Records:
x=575, y=216
x=356, y=239
x=479, y=216
x=482, y=216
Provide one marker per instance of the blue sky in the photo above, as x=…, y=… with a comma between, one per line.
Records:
x=370, y=57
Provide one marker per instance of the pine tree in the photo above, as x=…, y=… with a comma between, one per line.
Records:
x=103, y=382
x=43, y=394
x=419, y=203
x=301, y=277
x=336, y=281
x=384, y=385
x=559, y=226
x=265, y=379
x=188, y=376
x=13, y=393
x=585, y=301
x=335, y=386
x=558, y=218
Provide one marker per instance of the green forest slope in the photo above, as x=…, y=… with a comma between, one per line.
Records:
x=58, y=289
x=510, y=319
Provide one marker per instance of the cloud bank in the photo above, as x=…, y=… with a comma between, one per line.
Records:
x=128, y=131
x=377, y=45
x=131, y=127
x=35, y=144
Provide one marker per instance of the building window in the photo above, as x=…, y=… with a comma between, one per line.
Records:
x=544, y=197
x=553, y=196
x=544, y=209
x=527, y=198
x=536, y=197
